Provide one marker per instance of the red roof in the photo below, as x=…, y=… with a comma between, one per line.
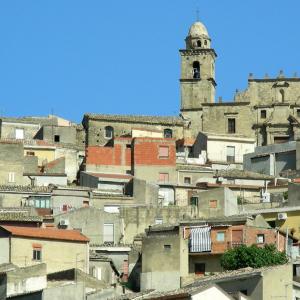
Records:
x=47, y=233
x=186, y=142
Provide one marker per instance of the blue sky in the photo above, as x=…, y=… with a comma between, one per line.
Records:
x=72, y=57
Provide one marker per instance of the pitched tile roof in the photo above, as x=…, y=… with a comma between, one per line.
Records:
x=47, y=233
x=26, y=188
x=235, y=173
x=164, y=120
x=19, y=217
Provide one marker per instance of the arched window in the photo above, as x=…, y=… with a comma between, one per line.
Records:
x=205, y=42
x=198, y=43
x=196, y=69
x=109, y=132
x=168, y=133
x=281, y=95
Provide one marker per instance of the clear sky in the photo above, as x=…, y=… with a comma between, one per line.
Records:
x=74, y=56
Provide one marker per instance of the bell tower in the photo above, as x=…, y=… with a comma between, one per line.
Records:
x=197, y=80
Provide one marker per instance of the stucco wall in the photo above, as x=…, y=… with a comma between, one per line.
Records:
x=28, y=279
x=160, y=264
x=67, y=292
x=4, y=253
x=65, y=257
x=91, y=221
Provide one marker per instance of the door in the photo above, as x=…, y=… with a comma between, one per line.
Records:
x=237, y=237
x=199, y=268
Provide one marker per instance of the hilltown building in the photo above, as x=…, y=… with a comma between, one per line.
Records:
x=267, y=112
x=180, y=176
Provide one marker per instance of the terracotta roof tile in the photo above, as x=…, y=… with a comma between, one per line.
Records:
x=26, y=188
x=163, y=120
x=47, y=233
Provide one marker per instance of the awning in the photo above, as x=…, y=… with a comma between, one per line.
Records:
x=200, y=240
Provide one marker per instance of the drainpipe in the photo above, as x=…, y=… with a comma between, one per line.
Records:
x=286, y=240
x=31, y=181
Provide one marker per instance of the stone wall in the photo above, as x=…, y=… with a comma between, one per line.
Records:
x=95, y=128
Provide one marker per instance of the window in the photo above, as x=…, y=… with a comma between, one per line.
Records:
x=168, y=133
x=158, y=221
x=113, y=209
x=198, y=43
x=109, y=132
x=213, y=203
x=260, y=238
x=230, y=154
x=196, y=70
x=11, y=177
x=65, y=207
x=194, y=201
x=163, y=177
x=167, y=247
x=231, y=125
x=163, y=152
x=37, y=252
x=281, y=139
x=263, y=114
x=19, y=134
x=56, y=138
x=40, y=202
x=187, y=180
x=205, y=42
x=200, y=268
x=108, y=233
x=221, y=236
x=298, y=113
x=281, y=95
x=30, y=153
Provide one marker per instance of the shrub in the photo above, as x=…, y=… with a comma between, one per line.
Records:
x=252, y=256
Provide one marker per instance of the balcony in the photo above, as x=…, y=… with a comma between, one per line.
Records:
x=214, y=248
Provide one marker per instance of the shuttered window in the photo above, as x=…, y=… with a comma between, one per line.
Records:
x=200, y=240
x=163, y=177
x=108, y=233
x=230, y=154
x=163, y=152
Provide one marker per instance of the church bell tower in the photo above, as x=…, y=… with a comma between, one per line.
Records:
x=197, y=80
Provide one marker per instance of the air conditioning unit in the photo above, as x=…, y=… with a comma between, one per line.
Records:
x=64, y=222
x=220, y=179
x=282, y=216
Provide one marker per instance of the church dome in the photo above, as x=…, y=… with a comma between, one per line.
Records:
x=198, y=29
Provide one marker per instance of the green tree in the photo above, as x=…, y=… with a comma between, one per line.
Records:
x=252, y=256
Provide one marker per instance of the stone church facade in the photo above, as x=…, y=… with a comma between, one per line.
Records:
x=268, y=111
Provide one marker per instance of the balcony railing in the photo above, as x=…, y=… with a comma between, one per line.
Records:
x=220, y=247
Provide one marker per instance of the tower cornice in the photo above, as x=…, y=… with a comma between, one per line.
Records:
x=186, y=52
